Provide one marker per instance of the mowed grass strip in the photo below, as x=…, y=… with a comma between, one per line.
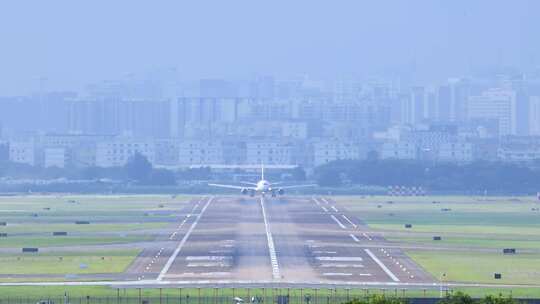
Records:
x=465, y=242
x=111, y=261
x=89, y=203
x=72, y=227
x=479, y=267
x=54, y=241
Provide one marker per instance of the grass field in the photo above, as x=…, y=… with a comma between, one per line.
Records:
x=31, y=221
x=474, y=231
x=113, y=261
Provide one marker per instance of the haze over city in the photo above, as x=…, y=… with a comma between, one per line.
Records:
x=270, y=152
x=74, y=44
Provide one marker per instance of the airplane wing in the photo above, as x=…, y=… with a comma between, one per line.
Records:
x=229, y=186
x=298, y=186
x=249, y=183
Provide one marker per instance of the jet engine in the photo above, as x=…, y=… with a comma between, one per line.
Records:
x=244, y=191
x=281, y=191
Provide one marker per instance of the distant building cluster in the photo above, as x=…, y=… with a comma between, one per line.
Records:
x=297, y=122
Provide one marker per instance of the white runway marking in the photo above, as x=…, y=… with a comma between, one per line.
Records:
x=331, y=265
x=388, y=272
x=366, y=236
x=325, y=201
x=324, y=252
x=271, y=247
x=334, y=208
x=348, y=220
x=182, y=242
x=337, y=274
x=354, y=238
x=341, y=259
x=338, y=222
x=222, y=251
x=208, y=258
x=201, y=274
x=211, y=264
x=323, y=208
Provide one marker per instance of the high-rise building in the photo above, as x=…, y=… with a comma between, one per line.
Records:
x=534, y=115
x=497, y=104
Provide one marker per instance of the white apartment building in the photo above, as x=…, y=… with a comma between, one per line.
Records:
x=23, y=152
x=195, y=152
x=518, y=153
x=497, y=104
x=327, y=151
x=534, y=115
x=455, y=152
x=297, y=130
x=55, y=157
x=271, y=153
x=117, y=152
x=399, y=150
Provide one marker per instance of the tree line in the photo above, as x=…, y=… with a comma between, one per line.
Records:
x=438, y=176
x=454, y=298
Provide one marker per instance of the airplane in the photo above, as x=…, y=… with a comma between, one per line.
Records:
x=263, y=187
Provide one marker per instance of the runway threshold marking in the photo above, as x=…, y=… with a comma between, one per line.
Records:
x=354, y=238
x=381, y=264
x=183, y=242
x=271, y=246
x=338, y=222
x=325, y=201
x=348, y=220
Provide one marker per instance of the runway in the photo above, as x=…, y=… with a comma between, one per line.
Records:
x=302, y=240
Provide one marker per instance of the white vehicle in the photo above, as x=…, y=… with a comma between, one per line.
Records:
x=263, y=187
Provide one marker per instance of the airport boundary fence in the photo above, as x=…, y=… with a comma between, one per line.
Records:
x=236, y=296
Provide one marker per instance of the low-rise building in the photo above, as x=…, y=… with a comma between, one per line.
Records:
x=200, y=152
x=117, y=152
x=55, y=157
x=271, y=153
x=456, y=152
x=327, y=151
x=399, y=150
x=25, y=152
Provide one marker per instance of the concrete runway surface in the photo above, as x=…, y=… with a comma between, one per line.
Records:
x=301, y=240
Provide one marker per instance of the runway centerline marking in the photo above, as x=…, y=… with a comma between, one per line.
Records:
x=338, y=222
x=388, y=272
x=271, y=246
x=182, y=242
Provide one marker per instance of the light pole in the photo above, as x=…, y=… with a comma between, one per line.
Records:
x=443, y=275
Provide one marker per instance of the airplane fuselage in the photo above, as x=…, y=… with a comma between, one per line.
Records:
x=263, y=186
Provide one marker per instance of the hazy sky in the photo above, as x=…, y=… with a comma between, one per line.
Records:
x=71, y=43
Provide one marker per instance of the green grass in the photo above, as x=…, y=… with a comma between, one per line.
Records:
x=472, y=224
x=72, y=227
x=113, y=261
x=50, y=241
x=466, y=242
x=479, y=267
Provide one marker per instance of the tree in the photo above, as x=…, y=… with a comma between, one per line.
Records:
x=138, y=168
x=299, y=174
x=162, y=177
x=457, y=298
